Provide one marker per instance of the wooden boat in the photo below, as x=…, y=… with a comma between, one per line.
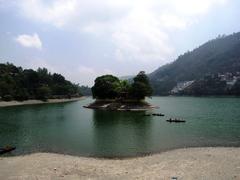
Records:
x=176, y=120
x=158, y=114
x=6, y=149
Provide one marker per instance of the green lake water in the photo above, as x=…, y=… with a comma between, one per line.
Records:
x=71, y=129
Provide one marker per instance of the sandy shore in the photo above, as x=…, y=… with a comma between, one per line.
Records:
x=192, y=163
x=29, y=102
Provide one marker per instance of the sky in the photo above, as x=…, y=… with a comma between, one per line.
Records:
x=85, y=39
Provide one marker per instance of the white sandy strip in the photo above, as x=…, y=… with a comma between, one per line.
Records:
x=192, y=164
x=28, y=102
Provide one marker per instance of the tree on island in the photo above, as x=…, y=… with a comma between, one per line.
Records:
x=140, y=87
x=105, y=87
x=110, y=87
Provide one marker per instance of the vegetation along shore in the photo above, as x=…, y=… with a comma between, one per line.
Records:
x=32, y=102
x=21, y=84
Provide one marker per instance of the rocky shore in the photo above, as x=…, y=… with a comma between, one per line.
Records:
x=127, y=105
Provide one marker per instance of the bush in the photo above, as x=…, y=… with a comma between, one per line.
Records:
x=105, y=87
x=21, y=94
x=43, y=93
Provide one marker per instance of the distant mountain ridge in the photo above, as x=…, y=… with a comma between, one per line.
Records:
x=220, y=55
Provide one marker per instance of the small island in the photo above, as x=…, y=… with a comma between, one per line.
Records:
x=111, y=93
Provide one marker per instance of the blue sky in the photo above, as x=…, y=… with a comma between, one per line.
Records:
x=85, y=39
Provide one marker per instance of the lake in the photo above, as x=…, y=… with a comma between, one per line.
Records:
x=71, y=129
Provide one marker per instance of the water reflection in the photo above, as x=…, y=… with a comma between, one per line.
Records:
x=121, y=133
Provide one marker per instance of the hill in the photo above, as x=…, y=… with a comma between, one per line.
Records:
x=217, y=56
x=21, y=84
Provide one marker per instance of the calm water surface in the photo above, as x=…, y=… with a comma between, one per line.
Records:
x=69, y=128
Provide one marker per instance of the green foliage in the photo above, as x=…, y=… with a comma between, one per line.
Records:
x=21, y=94
x=140, y=87
x=105, y=87
x=58, y=89
x=58, y=78
x=43, y=92
x=19, y=84
x=124, y=86
x=110, y=87
x=85, y=90
x=220, y=55
x=7, y=85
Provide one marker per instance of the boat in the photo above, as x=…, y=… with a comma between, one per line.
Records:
x=6, y=149
x=158, y=114
x=176, y=120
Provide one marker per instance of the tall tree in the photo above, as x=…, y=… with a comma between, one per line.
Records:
x=105, y=87
x=141, y=86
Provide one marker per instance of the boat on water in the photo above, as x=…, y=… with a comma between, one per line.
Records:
x=176, y=120
x=154, y=114
x=158, y=114
x=6, y=149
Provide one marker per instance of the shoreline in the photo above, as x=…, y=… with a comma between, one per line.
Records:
x=33, y=102
x=127, y=105
x=189, y=163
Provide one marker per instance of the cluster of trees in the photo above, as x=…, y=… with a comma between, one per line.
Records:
x=20, y=84
x=110, y=87
x=219, y=55
x=85, y=90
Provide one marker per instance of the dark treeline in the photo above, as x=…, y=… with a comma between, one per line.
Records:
x=20, y=84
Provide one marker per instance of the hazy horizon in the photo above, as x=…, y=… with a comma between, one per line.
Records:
x=82, y=40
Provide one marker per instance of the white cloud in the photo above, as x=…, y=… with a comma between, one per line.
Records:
x=139, y=29
x=86, y=75
x=86, y=70
x=142, y=33
x=36, y=62
x=56, y=12
x=173, y=22
x=195, y=7
x=63, y=12
x=31, y=41
x=140, y=37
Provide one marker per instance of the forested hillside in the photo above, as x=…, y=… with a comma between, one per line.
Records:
x=220, y=55
x=85, y=91
x=20, y=84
